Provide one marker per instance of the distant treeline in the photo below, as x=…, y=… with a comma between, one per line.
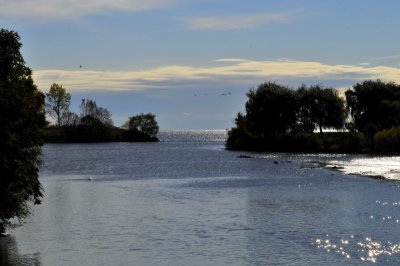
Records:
x=276, y=118
x=93, y=124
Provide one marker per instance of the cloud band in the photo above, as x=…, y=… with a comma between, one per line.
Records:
x=233, y=73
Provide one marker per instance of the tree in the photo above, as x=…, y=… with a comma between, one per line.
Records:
x=144, y=123
x=320, y=108
x=91, y=129
x=69, y=119
x=374, y=105
x=21, y=119
x=271, y=110
x=57, y=102
x=90, y=108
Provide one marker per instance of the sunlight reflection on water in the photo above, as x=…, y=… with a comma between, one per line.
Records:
x=365, y=248
x=387, y=167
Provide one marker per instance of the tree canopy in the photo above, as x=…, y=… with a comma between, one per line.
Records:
x=270, y=110
x=21, y=119
x=280, y=118
x=320, y=107
x=144, y=123
x=374, y=105
x=273, y=110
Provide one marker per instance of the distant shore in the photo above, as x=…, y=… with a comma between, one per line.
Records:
x=84, y=134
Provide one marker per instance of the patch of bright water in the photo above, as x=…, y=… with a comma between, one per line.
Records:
x=365, y=249
x=386, y=167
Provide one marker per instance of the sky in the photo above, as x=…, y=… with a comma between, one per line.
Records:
x=191, y=62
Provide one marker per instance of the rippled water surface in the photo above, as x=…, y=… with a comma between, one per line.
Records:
x=187, y=201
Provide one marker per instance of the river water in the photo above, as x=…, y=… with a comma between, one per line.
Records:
x=188, y=201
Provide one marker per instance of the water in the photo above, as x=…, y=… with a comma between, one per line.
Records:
x=187, y=201
x=387, y=167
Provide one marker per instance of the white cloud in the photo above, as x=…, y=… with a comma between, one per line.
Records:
x=389, y=57
x=243, y=73
x=230, y=60
x=65, y=9
x=235, y=22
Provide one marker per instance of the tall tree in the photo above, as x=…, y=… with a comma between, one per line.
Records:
x=271, y=110
x=58, y=101
x=21, y=119
x=374, y=105
x=320, y=108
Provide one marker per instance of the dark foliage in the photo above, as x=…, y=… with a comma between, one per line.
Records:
x=280, y=119
x=90, y=129
x=143, y=123
x=374, y=105
x=320, y=108
x=89, y=108
x=93, y=132
x=270, y=110
x=374, y=108
x=94, y=124
x=387, y=141
x=21, y=120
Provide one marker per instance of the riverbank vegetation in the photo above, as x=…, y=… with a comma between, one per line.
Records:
x=281, y=119
x=93, y=123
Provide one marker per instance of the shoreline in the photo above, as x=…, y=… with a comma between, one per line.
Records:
x=372, y=166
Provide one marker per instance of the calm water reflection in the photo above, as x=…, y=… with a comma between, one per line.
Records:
x=187, y=201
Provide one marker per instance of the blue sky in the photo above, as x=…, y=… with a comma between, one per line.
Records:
x=191, y=62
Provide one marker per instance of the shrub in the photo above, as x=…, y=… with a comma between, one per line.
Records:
x=387, y=140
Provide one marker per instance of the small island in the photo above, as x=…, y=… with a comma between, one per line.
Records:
x=93, y=124
x=279, y=119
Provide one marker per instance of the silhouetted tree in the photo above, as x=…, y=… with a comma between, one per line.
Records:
x=90, y=108
x=374, y=105
x=57, y=102
x=271, y=110
x=90, y=129
x=241, y=121
x=144, y=123
x=320, y=108
x=70, y=119
x=21, y=119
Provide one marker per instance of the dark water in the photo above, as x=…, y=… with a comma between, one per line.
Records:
x=187, y=201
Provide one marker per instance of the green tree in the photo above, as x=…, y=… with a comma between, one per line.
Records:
x=271, y=110
x=58, y=101
x=374, y=105
x=21, y=119
x=320, y=108
x=144, y=123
